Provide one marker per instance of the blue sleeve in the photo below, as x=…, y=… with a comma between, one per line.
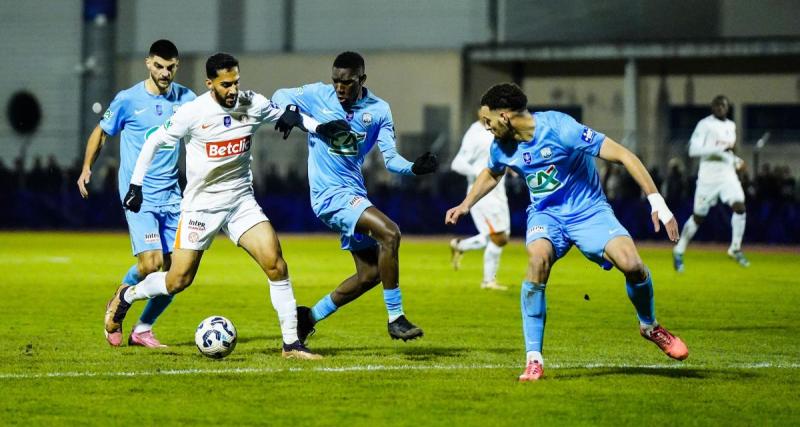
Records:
x=113, y=120
x=300, y=96
x=494, y=164
x=386, y=143
x=576, y=136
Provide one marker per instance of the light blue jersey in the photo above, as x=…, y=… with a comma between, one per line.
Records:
x=135, y=113
x=557, y=164
x=334, y=167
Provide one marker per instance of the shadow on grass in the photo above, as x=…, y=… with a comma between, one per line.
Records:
x=418, y=353
x=657, y=372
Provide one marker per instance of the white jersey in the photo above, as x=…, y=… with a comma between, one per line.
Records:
x=473, y=158
x=218, y=150
x=710, y=142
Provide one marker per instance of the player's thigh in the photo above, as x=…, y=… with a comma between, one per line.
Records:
x=705, y=197
x=261, y=242
x=168, y=220
x=622, y=252
x=342, y=213
x=143, y=228
x=732, y=192
x=183, y=269
x=592, y=233
x=491, y=216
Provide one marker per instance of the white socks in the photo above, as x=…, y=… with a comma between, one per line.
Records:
x=491, y=261
x=142, y=327
x=477, y=241
x=535, y=355
x=737, y=226
x=153, y=285
x=282, y=296
x=689, y=230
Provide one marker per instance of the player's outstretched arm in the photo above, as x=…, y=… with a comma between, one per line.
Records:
x=485, y=183
x=93, y=146
x=614, y=152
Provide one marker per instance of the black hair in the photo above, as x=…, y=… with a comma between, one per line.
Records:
x=505, y=95
x=219, y=61
x=719, y=99
x=163, y=48
x=350, y=60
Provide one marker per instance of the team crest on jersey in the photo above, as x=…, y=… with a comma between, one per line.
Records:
x=159, y=110
x=543, y=181
x=227, y=121
x=366, y=118
x=108, y=115
x=587, y=134
x=526, y=157
x=546, y=152
x=346, y=144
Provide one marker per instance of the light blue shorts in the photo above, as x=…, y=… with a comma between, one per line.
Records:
x=341, y=213
x=153, y=229
x=590, y=233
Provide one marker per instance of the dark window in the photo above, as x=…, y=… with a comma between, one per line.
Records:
x=782, y=121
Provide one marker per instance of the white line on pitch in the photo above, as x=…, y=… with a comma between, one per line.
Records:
x=368, y=368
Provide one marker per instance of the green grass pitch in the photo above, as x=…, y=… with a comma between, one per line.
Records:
x=741, y=326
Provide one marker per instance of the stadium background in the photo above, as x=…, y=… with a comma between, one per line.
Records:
x=641, y=71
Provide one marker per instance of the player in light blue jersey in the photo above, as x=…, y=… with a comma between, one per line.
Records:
x=339, y=197
x=555, y=154
x=134, y=114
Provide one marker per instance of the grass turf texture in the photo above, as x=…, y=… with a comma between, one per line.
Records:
x=741, y=326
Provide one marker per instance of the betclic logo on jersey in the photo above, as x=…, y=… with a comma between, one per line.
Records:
x=234, y=147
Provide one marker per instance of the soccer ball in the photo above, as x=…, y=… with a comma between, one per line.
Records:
x=215, y=337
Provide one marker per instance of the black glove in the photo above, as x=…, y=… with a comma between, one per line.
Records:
x=333, y=129
x=289, y=119
x=133, y=198
x=425, y=163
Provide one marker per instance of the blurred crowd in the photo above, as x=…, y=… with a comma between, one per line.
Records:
x=772, y=183
x=769, y=183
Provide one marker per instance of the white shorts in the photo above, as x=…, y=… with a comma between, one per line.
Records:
x=197, y=229
x=491, y=216
x=707, y=194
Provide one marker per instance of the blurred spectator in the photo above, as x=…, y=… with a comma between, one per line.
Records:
x=53, y=176
x=674, y=186
x=786, y=183
x=766, y=184
x=37, y=177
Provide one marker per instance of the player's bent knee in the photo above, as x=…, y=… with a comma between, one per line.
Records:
x=538, y=265
x=277, y=270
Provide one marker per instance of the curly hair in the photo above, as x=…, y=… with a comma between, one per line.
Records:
x=505, y=95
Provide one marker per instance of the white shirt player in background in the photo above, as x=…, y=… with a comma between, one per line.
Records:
x=219, y=193
x=712, y=142
x=490, y=215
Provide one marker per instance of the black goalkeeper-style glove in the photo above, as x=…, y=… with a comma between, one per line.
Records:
x=133, y=198
x=333, y=129
x=290, y=118
x=425, y=163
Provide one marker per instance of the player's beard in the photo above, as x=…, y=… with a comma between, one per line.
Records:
x=228, y=102
x=161, y=84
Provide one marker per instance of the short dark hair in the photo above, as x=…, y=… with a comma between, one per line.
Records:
x=719, y=99
x=505, y=95
x=219, y=61
x=350, y=60
x=163, y=48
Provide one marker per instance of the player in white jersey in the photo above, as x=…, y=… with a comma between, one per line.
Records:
x=490, y=214
x=219, y=193
x=712, y=142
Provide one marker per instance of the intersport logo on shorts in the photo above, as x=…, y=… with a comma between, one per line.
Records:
x=233, y=147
